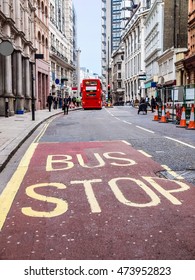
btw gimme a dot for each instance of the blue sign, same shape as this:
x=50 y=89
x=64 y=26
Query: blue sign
x=57 y=81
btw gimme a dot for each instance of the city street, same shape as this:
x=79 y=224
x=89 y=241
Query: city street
x=100 y=184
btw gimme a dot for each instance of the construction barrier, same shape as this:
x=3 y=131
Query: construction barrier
x=156 y=118
x=182 y=123
x=191 y=124
x=163 y=117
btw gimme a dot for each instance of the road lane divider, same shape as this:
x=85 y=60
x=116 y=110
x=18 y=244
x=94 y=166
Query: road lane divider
x=150 y=131
x=181 y=142
x=127 y=143
x=127 y=122
x=144 y=153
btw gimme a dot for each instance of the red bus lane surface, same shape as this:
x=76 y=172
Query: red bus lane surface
x=97 y=200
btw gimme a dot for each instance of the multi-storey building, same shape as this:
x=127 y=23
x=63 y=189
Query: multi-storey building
x=185 y=64
x=42 y=34
x=111 y=34
x=118 y=89
x=153 y=44
x=42 y=74
x=104 y=46
x=17 y=19
x=147 y=37
x=115 y=15
x=134 y=52
x=61 y=47
x=190 y=56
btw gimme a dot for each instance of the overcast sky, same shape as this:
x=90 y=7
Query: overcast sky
x=88 y=14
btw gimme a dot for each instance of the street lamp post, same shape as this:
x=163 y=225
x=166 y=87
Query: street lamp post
x=37 y=56
x=78 y=72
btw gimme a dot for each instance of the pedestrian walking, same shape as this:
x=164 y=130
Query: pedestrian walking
x=66 y=105
x=77 y=101
x=55 y=106
x=147 y=101
x=49 y=101
x=153 y=104
x=60 y=102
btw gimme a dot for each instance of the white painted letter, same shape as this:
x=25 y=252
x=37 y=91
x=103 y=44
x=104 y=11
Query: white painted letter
x=81 y=161
x=167 y=193
x=130 y=161
x=61 y=205
x=63 y=161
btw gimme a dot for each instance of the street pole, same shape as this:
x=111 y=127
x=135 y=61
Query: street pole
x=33 y=97
x=37 y=56
x=78 y=72
x=108 y=85
x=108 y=60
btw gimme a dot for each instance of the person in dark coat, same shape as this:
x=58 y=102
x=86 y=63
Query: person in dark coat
x=49 y=101
x=153 y=104
x=66 y=105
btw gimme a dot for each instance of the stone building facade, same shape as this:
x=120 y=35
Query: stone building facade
x=62 y=49
x=189 y=61
x=118 y=88
x=42 y=66
x=43 y=38
x=17 y=26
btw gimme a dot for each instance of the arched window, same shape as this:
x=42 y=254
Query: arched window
x=42 y=7
x=46 y=11
x=43 y=40
x=39 y=36
x=39 y=41
x=46 y=43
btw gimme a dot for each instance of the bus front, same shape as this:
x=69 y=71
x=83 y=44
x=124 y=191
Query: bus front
x=91 y=94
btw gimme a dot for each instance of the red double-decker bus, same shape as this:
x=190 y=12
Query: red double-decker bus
x=91 y=94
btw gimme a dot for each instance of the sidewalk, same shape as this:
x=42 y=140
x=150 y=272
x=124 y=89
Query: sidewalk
x=16 y=129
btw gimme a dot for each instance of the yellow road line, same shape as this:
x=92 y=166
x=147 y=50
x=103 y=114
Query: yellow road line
x=43 y=130
x=11 y=189
x=171 y=172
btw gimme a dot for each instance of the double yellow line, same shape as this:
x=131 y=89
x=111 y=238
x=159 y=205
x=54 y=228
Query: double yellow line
x=12 y=187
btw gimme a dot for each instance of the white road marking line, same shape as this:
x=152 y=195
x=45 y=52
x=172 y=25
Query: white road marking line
x=144 y=153
x=171 y=172
x=183 y=143
x=127 y=122
x=144 y=129
x=127 y=143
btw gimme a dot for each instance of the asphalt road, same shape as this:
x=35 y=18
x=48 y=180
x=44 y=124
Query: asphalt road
x=123 y=123
x=102 y=184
